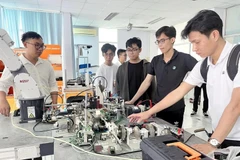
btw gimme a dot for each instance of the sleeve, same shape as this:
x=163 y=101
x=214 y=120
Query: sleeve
x=52 y=80
x=236 y=81
x=195 y=78
x=190 y=62
x=151 y=67
x=6 y=80
x=118 y=80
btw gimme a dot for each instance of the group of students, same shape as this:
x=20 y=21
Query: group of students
x=134 y=80
x=161 y=80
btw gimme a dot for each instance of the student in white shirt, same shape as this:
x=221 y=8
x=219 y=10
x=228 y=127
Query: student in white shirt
x=40 y=70
x=108 y=69
x=204 y=31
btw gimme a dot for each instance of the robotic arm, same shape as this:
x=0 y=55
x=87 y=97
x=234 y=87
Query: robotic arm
x=24 y=82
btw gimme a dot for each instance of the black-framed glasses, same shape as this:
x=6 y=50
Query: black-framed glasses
x=132 y=49
x=161 y=41
x=38 y=46
x=109 y=54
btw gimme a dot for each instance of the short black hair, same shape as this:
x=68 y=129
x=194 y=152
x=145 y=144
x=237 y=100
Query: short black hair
x=120 y=51
x=107 y=47
x=30 y=34
x=168 y=31
x=205 y=21
x=134 y=40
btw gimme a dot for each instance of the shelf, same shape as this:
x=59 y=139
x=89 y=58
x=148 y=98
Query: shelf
x=57 y=67
x=51 y=49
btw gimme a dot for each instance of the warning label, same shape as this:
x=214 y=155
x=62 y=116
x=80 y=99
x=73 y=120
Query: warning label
x=31 y=112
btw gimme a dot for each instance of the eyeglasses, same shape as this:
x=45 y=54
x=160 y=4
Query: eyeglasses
x=109 y=54
x=132 y=49
x=161 y=41
x=38 y=46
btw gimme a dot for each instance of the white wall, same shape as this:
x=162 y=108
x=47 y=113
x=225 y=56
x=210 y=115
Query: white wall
x=93 y=56
x=154 y=50
x=183 y=45
x=145 y=36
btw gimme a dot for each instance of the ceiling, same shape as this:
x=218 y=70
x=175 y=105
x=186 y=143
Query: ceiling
x=138 y=12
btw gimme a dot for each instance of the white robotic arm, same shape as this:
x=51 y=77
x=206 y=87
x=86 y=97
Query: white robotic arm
x=24 y=82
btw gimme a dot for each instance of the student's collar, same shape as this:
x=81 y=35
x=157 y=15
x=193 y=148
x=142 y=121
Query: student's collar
x=175 y=53
x=226 y=50
x=26 y=61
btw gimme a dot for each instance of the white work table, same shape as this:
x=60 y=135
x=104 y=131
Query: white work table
x=15 y=142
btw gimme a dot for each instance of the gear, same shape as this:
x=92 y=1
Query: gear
x=122 y=133
x=150 y=129
x=136 y=132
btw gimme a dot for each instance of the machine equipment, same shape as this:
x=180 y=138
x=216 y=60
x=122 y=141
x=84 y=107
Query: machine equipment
x=30 y=98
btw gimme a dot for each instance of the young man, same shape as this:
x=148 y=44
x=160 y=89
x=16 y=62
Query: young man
x=169 y=68
x=122 y=56
x=131 y=74
x=108 y=69
x=197 y=93
x=204 y=31
x=40 y=70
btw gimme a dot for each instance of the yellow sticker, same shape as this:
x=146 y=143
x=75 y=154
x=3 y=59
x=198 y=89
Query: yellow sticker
x=31 y=115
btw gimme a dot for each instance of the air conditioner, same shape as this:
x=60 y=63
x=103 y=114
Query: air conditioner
x=85 y=31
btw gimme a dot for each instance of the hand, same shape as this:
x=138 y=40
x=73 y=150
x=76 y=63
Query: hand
x=204 y=148
x=129 y=102
x=4 y=107
x=139 y=117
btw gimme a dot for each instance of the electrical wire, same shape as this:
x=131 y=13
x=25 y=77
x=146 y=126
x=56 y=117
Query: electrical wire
x=60 y=140
x=50 y=95
x=189 y=138
x=147 y=100
x=79 y=151
x=100 y=77
x=83 y=91
x=120 y=154
x=34 y=128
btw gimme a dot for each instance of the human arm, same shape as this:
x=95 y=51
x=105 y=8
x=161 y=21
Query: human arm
x=143 y=87
x=168 y=101
x=229 y=117
x=4 y=107
x=226 y=123
x=5 y=82
x=118 y=81
x=53 y=86
x=54 y=96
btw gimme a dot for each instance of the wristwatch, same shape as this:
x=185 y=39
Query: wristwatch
x=214 y=142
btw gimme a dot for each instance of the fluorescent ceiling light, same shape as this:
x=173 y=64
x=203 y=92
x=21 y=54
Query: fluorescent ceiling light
x=156 y=20
x=110 y=16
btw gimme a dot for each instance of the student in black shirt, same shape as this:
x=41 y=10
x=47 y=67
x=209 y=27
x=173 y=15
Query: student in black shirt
x=131 y=74
x=169 y=68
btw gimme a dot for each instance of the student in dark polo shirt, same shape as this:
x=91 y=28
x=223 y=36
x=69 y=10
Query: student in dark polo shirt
x=169 y=68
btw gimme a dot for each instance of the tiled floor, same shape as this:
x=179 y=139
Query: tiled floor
x=191 y=123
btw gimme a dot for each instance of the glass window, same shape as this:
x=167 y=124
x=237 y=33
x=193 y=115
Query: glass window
x=232 y=20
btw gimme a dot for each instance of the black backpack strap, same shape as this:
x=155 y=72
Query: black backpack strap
x=233 y=60
x=204 y=69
